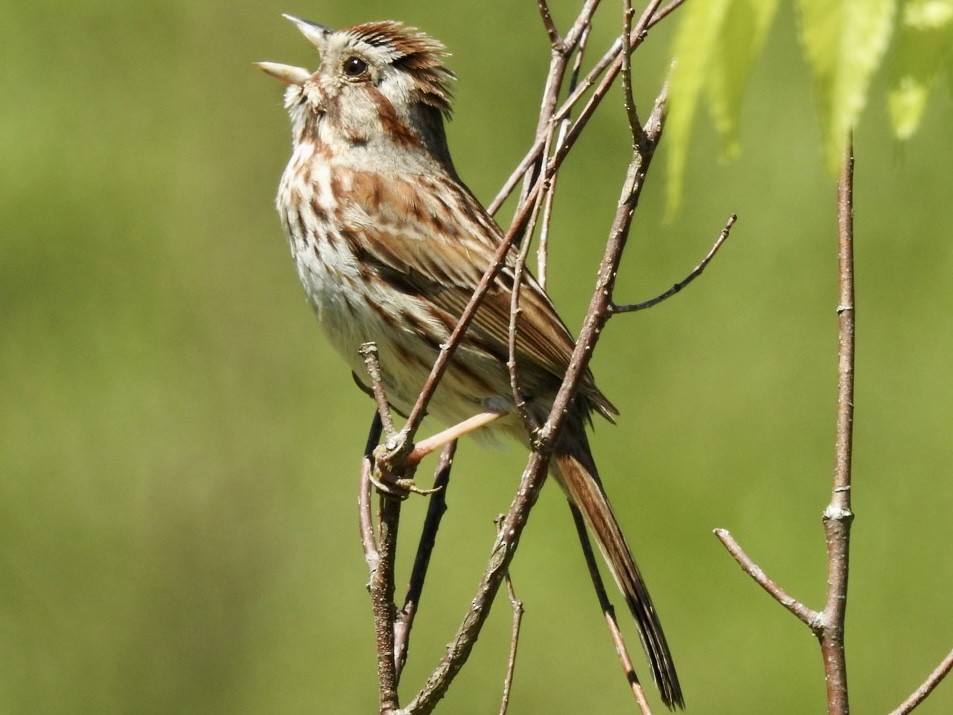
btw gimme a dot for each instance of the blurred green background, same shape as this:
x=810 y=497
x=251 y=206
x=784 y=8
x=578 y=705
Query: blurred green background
x=178 y=446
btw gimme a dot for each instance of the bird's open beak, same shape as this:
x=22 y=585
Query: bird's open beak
x=286 y=73
x=316 y=34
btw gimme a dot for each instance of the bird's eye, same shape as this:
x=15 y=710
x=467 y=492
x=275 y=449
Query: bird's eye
x=354 y=66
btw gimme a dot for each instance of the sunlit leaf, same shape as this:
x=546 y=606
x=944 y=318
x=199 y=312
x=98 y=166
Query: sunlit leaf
x=695 y=41
x=845 y=41
x=924 y=45
x=715 y=47
x=736 y=48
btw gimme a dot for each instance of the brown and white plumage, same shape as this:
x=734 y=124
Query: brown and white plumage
x=390 y=244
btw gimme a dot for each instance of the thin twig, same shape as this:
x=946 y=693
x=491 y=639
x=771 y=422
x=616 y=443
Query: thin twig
x=512 y=364
x=599 y=311
x=517 y=605
x=610 y=64
x=838 y=516
x=828 y=625
x=678 y=287
x=554 y=38
x=628 y=99
x=803 y=613
x=382 y=601
x=608 y=612
x=381 y=553
x=365 y=522
x=542 y=251
x=428 y=538
x=458 y=650
x=372 y=364
x=927 y=687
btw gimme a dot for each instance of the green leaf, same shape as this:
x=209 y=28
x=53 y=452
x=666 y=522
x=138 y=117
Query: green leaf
x=733 y=56
x=845 y=41
x=714 y=48
x=924 y=45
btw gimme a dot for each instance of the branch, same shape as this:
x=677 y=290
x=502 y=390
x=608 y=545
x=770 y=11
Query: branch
x=921 y=693
x=365 y=521
x=611 y=65
x=517 y=606
x=678 y=287
x=838 y=515
x=428 y=538
x=372 y=364
x=828 y=625
x=802 y=612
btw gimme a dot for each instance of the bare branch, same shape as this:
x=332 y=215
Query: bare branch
x=628 y=100
x=554 y=38
x=678 y=287
x=803 y=613
x=828 y=625
x=921 y=693
x=609 y=64
x=517 y=606
x=458 y=650
x=382 y=602
x=365 y=522
x=599 y=311
x=372 y=364
x=838 y=516
x=428 y=539
x=542 y=251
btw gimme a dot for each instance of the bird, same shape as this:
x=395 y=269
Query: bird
x=390 y=244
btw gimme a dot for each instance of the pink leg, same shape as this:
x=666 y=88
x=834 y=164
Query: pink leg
x=426 y=446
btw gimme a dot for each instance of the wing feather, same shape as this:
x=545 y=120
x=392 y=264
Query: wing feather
x=437 y=240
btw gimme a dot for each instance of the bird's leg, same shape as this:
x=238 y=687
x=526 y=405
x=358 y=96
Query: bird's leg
x=395 y=464
x=435 y=442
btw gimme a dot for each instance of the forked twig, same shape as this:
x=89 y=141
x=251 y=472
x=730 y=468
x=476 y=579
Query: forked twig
x=828 y=625
x=609 y=65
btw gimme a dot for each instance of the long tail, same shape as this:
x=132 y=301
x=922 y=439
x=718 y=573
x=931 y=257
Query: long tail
x=576 y=471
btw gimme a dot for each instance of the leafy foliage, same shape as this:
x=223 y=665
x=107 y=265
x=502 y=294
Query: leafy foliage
x=845 y=43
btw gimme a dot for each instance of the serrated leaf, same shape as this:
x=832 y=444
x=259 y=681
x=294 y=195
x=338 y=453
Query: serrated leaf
x=924 y=45
x=844 y=41
x=715 y=47
x=733 y=55
x=693 y=48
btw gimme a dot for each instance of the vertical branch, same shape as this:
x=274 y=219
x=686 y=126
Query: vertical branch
x=382 y=603
x=428 y=539
x=380 y=553
x=838 y=515
x=828 y=624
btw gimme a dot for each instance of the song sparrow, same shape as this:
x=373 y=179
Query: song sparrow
x=389 y=245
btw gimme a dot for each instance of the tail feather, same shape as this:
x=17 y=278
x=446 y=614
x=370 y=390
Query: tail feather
x=576 y=472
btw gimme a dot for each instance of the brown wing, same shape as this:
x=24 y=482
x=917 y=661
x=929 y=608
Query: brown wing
x=433 y=237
